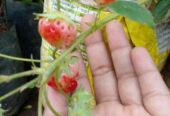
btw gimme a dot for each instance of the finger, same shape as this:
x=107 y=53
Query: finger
x=104 y=79
x=82 y=78
x=154 y=91
x=120 y=50
x=58 y=102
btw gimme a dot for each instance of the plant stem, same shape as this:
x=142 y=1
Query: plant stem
x=50 y=69
x=22 y=59
x=25 y=86
x=22 y=74
x=48 y=102
x=40 y=104
x=59 y=5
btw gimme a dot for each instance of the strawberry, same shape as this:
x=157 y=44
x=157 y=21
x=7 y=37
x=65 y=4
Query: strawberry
x=67 y=83
x=57 y=29
x=104 y=2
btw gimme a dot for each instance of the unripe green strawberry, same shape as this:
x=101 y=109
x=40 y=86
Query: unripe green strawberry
x=57 y=30
x=81 y=103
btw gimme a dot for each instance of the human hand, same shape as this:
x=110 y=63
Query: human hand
x=126 y=81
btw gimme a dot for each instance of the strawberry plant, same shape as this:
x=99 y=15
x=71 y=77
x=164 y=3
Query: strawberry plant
x=62 y=34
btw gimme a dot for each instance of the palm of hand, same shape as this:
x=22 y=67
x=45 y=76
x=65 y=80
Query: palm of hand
x=116 y=109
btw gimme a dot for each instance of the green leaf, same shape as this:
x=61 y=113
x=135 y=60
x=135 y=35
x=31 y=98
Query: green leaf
x=161 y=10
x=133 y=11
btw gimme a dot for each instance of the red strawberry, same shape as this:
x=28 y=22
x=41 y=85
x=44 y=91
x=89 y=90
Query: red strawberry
x=104 y=2
x=57 y=30
x=67 y=83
